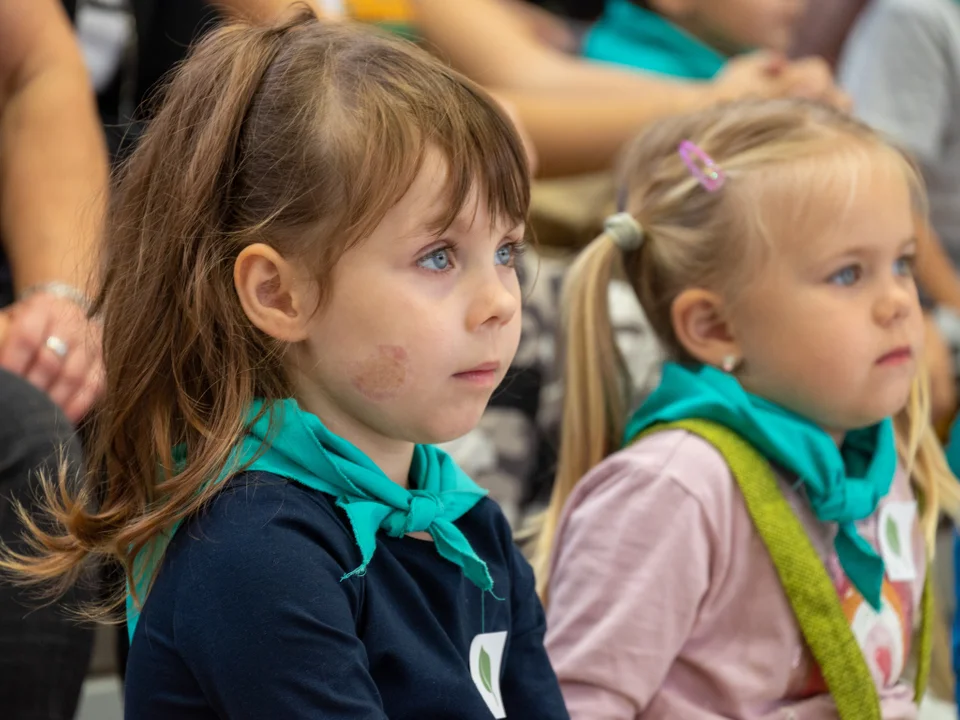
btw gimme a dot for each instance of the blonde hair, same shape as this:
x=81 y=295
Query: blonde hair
x=770 y=152
x=302 y=135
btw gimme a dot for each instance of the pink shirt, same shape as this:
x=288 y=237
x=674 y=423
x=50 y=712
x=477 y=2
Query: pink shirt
x=663 y=601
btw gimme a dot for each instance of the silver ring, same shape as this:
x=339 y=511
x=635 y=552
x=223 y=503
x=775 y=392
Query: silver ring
x=57 y=346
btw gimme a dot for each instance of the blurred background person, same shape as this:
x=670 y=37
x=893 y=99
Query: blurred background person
x=53 y=174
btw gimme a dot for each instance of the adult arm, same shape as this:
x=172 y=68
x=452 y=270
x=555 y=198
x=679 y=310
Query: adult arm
x=580 y=113
x=53 y=166
x=490 y=42
x=53 y=181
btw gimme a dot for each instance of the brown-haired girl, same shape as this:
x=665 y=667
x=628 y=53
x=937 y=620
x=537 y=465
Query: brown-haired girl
x=309 y=277
x=758 y=547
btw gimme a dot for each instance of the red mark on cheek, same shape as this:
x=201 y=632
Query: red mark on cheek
x=382 y=376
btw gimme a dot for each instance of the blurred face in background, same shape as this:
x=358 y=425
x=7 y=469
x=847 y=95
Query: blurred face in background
x=733 y=26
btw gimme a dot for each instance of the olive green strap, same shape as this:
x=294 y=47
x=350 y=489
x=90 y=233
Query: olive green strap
x=925 y=645
x=802 y=574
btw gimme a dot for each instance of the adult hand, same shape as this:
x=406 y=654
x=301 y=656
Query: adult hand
x=51 y=343
x=756 y=74
x=812 y=78
x=770 y=75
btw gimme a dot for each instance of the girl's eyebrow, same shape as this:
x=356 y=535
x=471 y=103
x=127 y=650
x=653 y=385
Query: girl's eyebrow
x=866 y=250
x=464 y=221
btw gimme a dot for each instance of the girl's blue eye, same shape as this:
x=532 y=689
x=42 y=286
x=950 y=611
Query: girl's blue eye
x=904 y=265
x=438 y=260
x=508 y=253
x=847 y=276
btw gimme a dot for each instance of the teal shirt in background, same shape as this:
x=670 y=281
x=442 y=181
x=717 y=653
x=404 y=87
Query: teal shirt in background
x=626 y=34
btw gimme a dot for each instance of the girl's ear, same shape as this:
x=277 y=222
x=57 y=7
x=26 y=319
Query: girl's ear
x=702 y=328
x=276 y=296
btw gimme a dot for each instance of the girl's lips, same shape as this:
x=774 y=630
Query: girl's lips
x=485 y=374
x=897 y=356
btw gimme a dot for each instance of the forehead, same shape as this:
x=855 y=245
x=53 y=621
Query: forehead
x=429 y=206
x=839 y=202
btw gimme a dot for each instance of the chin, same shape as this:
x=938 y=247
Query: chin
x=445 y=427
x=896 y=404
x=873 y=415
x=869 y=406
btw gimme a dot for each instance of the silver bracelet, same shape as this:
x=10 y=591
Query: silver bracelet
x=60 y=290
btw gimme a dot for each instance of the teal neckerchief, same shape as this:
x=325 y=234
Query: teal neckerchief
x=842 y=484
x=300 y=448
x=952 y=451
x=627 y=34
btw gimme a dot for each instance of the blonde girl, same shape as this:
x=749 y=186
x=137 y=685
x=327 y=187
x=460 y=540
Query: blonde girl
x=309 y=279
x=753 y=541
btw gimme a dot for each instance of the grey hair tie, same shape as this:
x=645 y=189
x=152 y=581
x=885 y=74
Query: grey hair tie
x=625 y=231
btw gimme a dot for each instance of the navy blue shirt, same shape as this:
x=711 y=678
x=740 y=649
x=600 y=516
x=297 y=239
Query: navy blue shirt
x=249 y=618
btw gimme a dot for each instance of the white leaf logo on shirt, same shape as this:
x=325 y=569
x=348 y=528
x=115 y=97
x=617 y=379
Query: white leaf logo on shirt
x=486 y=659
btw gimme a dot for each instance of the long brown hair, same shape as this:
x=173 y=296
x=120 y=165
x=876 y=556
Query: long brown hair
x=301 y=135
x=771 y=151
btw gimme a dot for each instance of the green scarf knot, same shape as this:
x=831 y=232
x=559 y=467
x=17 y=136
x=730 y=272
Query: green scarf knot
x=284 y=440
x=425 y=507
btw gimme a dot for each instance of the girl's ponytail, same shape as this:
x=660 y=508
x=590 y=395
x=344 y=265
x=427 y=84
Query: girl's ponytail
x=922 y=454
x=195 y=135
x=595 y=382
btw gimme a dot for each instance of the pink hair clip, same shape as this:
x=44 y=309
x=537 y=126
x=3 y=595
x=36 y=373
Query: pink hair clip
x=701 y=166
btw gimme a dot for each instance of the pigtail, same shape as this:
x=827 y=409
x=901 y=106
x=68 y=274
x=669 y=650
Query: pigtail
x=922 y=455
x=595 y=396
x=939 y=492
x=172 y=324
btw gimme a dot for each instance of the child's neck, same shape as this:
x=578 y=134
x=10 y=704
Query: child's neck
x=392 y=456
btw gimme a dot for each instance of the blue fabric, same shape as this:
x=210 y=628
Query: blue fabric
x=248 y=618
x=953 y=459
x=284 y=440
x=627 y=34
x=843 y=484
x=952 y=449
x=956 y=617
